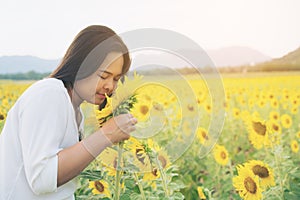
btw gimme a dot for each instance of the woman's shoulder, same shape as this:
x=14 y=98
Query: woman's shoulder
x=49 y=83
x=47 y=88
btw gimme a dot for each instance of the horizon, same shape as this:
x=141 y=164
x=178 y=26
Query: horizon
x=206 y=50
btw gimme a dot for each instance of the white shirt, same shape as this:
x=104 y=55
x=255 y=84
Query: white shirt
x=40 y=124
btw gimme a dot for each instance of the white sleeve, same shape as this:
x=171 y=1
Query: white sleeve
x=43 y=123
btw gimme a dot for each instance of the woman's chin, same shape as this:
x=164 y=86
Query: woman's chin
x=98 y=102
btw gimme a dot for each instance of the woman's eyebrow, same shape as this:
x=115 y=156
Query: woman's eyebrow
x=104 y=71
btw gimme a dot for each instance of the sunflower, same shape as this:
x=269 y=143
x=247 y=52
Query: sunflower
x=270 y=95
x=226 y=105
x=274 y=127
x=258 y=132
x=107 y=110
x=151 y=146
x=208 y=107
x=109 y=158
x=247 y=184
x=236 y=112
x=294 y=146
x=295 y=102
x=261 y=103
x=274 y=103
x=201 y=193
x=141 y=110
x=275 y=132
x=294 y=110
x=164 y=159
x=153 y=175
x=100 y=187
x=126 y=89
x=262 y=170
x=202 y=135
x=298 y=134
x=250 y=103
x=221 y=154
x=274 y=115
x=2 y=116
x=139 y=153
x=286 y=121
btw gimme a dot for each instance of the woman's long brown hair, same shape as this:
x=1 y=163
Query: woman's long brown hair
x=86 y=53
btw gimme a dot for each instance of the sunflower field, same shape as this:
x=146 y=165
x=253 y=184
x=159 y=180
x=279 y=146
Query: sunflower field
x=176 y=154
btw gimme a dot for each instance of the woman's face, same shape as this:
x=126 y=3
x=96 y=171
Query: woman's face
x=104 y=80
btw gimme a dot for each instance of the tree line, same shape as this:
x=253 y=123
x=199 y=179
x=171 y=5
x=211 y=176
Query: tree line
x=31 y=75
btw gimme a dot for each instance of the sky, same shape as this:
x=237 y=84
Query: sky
x=46 y=28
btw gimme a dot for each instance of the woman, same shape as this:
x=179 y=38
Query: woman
x=40 y=146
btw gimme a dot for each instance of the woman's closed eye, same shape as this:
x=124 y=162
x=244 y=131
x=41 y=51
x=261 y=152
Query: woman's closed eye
x=117 y=79
x=102 y=76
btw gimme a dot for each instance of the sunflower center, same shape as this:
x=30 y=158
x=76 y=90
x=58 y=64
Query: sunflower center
x=259 y=128
x=204 y=135
x=154 y=172
x=162 y=160
x=158 y=107
x=287 y=121
x=99 y=186
x=261 y=171
x=191 y=108
x=250 y=185
x=275 y=127
x=144 y=109
x=223 y=155
x=140 y=156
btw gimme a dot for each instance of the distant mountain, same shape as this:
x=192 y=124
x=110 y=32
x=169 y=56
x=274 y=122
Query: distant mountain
x=292 y=58
x=291 y=61
x=23 y=64
x=236 y=56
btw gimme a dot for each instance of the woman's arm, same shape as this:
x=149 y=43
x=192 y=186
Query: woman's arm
x=72 y=160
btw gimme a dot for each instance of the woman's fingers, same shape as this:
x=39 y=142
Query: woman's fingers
x=120 y=127
x=134 y=121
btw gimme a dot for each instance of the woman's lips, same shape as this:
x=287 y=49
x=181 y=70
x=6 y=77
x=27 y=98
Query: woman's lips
x=101 y=96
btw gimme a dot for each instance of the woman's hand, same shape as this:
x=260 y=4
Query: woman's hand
x=118 y=128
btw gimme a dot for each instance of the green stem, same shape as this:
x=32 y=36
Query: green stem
x=139 y=185
x=277 y=162
x=119 y=171
x=163 y=176
x=217 y=176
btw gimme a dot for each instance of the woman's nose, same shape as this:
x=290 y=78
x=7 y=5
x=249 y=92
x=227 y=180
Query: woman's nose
x=109 y=86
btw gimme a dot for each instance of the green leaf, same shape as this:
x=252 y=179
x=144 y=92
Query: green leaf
x=129 y=183
x=290 y=196
x=178 y=195
x=92 y=175
x=125 y=196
